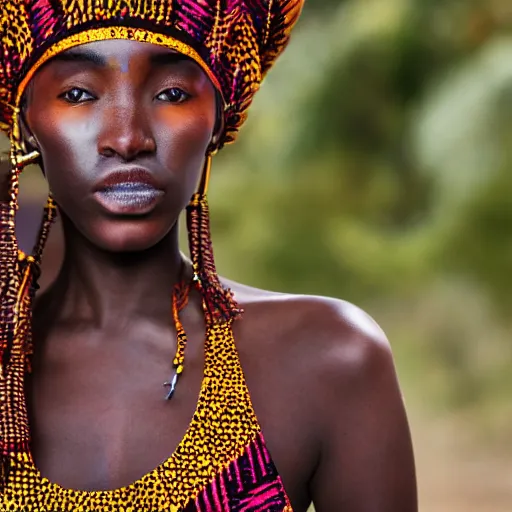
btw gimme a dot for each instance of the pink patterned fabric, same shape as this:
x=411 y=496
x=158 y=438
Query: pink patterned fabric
x=250 y=483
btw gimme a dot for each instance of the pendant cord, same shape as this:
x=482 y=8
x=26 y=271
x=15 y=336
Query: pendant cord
x=180 y=297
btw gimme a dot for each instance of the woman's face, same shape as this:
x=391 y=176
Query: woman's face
x=123 y=128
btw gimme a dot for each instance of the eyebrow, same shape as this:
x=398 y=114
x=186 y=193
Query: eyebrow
x=83 y=56
x=87 y=56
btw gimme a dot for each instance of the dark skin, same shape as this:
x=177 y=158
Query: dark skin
x=319 y=370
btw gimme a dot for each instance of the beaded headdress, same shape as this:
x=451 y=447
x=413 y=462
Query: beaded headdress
x=234 y=41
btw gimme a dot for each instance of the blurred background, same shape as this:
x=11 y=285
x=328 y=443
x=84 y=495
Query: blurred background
x=376 y=166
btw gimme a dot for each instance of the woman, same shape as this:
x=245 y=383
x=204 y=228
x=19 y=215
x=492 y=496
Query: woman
x=123 y=105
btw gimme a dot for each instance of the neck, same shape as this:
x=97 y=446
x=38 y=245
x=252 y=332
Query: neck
x=105 y=288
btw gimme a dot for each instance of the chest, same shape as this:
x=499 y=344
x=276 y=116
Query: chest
x=99 y=419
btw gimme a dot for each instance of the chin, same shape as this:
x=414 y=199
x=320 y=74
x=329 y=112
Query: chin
x=128 y=236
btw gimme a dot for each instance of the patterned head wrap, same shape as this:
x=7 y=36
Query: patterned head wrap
x=234 y=41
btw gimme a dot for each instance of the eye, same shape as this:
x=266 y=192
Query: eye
x=77 y=95
x=173 y=95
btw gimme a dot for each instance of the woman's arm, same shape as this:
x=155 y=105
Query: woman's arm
x=367 y=462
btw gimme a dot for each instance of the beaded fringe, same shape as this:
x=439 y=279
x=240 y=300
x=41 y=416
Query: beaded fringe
x=218 y=302
x=18 y=284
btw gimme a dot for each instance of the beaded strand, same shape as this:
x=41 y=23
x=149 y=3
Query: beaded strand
x=179 y=301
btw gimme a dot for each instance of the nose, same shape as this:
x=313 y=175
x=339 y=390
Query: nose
x=126 y=133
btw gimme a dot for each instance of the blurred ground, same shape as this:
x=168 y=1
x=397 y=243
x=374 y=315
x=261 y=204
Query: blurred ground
x=457 y=474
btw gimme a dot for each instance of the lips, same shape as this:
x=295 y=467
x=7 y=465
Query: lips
x=129 y=192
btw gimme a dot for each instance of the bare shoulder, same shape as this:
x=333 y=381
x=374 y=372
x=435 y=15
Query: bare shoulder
x=339 y=339
x=321 y=358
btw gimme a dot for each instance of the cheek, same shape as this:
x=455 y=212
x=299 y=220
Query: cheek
x=59 y=130
x=182 y=144
x=67 y=141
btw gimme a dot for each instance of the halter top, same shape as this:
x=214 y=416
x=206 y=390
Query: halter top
x=220 y=465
